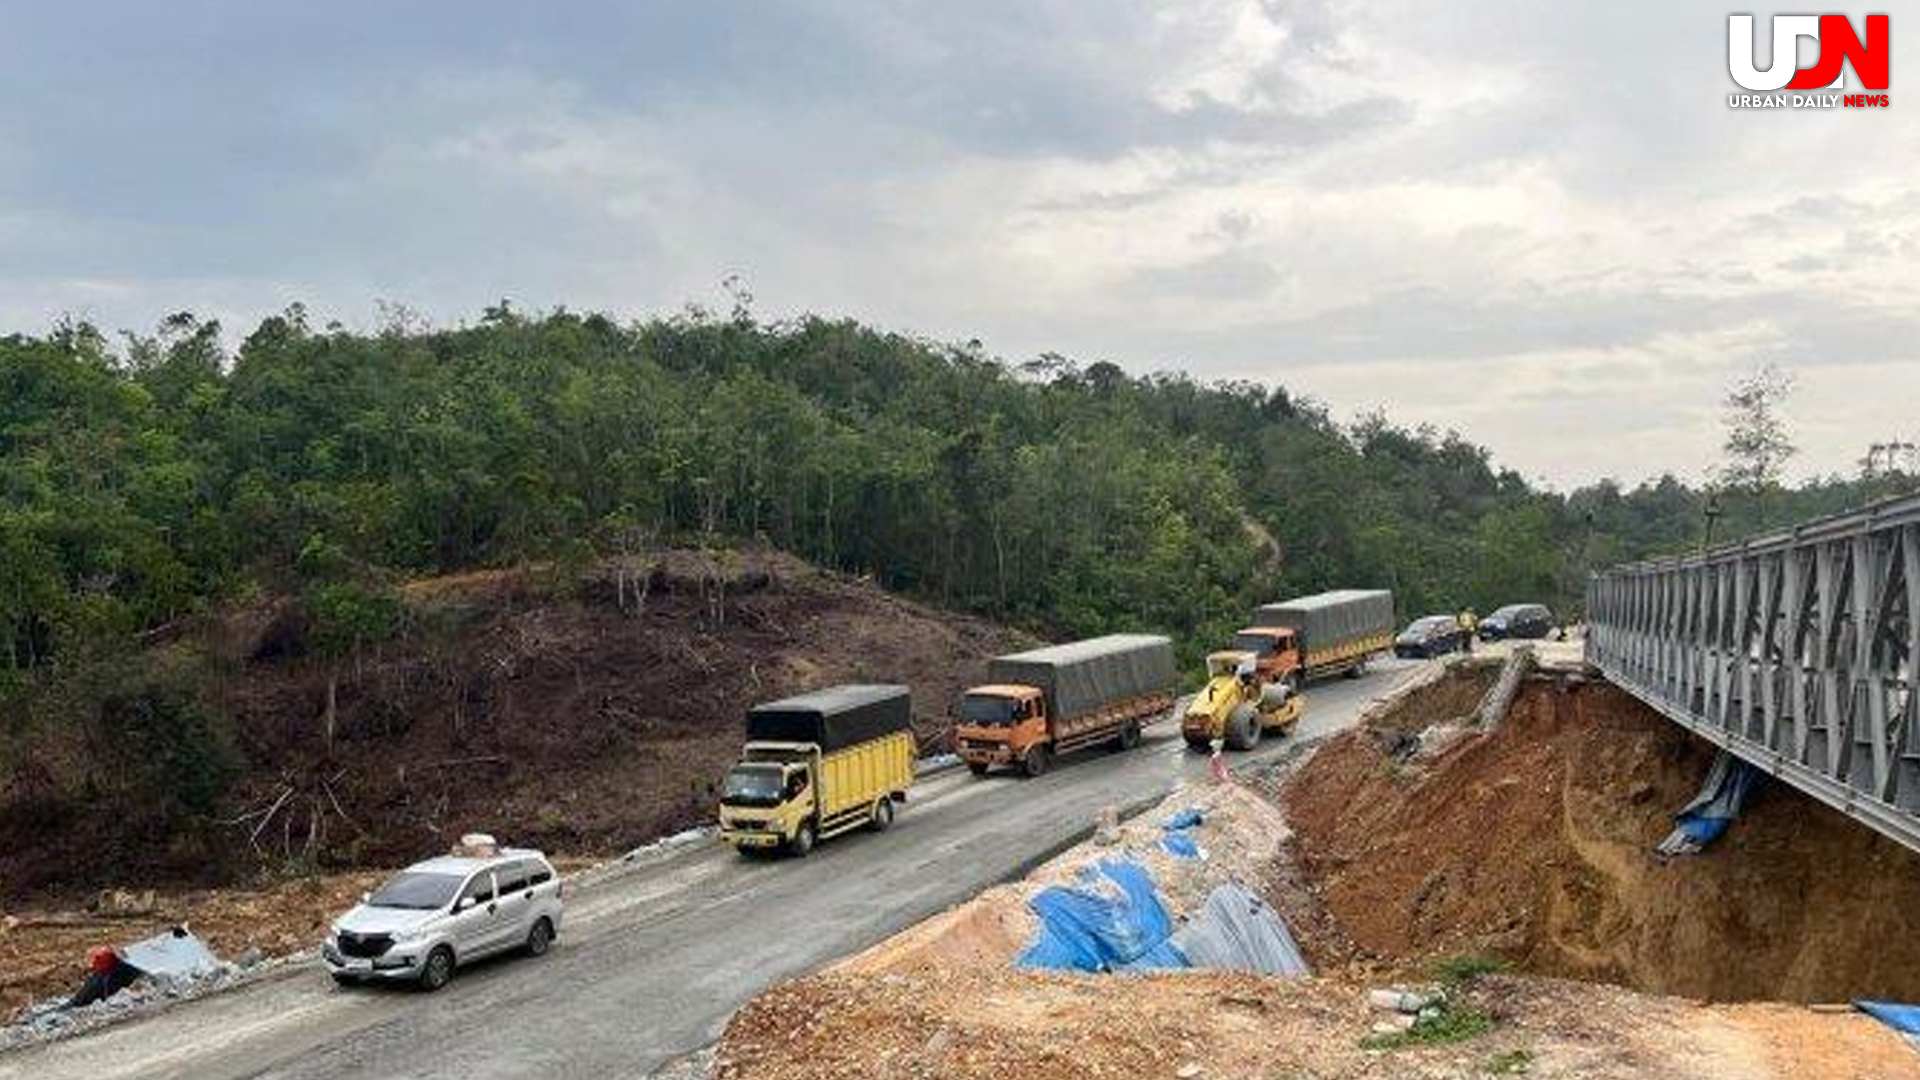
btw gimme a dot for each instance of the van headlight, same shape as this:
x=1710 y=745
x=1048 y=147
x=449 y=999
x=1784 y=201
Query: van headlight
x=414 y=933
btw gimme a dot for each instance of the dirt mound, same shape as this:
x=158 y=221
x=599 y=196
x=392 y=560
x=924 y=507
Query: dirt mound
x=982 y=1025
x=1535 y=841
x=585 y=713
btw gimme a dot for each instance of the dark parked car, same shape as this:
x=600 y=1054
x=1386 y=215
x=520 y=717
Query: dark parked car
x=1517 y=621
x=1429 y=636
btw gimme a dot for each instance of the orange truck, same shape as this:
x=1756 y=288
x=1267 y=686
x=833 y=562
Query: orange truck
x=1040 y=704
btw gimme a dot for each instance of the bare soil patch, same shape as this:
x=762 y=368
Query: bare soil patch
x=1535 y=841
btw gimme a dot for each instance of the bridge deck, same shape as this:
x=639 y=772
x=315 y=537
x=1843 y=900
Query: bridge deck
x=1797 y=652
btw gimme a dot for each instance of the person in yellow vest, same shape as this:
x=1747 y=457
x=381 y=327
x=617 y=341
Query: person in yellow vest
x=1469 y=626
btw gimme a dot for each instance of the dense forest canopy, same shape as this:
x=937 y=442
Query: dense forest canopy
x=149 y=482
x=155 y=480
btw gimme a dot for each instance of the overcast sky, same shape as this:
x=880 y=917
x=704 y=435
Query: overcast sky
x=1538 y=223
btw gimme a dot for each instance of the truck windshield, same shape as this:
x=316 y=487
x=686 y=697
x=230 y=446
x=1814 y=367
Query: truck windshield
x=1257 y=644
x=752 y=785
x=987 y=709
x=416 y=891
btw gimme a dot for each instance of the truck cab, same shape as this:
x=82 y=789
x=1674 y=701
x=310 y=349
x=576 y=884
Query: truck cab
x=1001 y=724
x=768 y=798
x=1275 y=651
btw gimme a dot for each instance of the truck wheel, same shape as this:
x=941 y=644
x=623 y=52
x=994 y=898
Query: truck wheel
x=1128 y=738
x=977 y=768
x=883 y=813
x=1035 y=762
x=1199 y=746
x=1357 y=670
x=802 y=841
x=1293 y=683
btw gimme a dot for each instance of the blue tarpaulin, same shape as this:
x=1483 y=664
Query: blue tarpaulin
x=1179 y=841
x=1904 y=1019
x=1112 y=918
x=1185 y=819
x=1722 y=794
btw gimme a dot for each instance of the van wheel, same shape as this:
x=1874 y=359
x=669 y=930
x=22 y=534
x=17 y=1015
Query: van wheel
x=344 y=979
x=977 y=768
x=1128 y=738
x=883 y=813
x=540 y=938
x=802 y=841
x=1035 y=762
x=438 y=970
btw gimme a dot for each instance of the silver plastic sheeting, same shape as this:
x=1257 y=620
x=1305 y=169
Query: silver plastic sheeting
x=1087 y=675
x=1329 y=619
x=1238 y=931
x=173 y=954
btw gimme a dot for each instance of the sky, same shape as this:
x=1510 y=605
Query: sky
x=1539 y=224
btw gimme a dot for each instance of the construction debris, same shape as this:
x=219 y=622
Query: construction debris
x=1722 y=795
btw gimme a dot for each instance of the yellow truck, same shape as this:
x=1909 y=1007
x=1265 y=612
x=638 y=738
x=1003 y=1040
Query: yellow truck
x=819 y=765
x=1240 y=704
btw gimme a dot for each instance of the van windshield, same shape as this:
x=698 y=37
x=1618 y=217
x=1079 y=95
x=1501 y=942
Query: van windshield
x=752 y=785
x=987 y=709
x=416 y=891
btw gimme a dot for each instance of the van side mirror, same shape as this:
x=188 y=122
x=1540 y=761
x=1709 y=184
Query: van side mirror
x=463 y=903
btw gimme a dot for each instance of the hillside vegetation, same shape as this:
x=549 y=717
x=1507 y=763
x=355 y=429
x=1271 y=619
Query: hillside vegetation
x=150 y=487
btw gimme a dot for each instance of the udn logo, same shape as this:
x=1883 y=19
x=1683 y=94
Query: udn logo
x=1839 y=48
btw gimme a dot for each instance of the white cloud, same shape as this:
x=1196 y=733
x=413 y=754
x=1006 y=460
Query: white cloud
x=1538 y=224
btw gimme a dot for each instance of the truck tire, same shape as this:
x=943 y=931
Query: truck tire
x=882 y=814
x=1128 y=738
x=1294 y=682
x=1035 y=762
x=802 y=841
x=1199 y=746
x=977 y=768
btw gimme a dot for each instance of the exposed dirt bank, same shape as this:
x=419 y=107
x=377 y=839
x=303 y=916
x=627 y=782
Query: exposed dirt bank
x=1535 y=841
x=585 y=715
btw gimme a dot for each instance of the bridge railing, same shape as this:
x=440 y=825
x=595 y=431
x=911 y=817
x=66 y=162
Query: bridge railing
x=1797 y=651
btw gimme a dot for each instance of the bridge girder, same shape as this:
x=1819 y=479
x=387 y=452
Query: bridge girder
x=1797 y=652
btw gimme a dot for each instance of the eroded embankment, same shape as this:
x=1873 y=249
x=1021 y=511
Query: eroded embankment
x=1535 y=841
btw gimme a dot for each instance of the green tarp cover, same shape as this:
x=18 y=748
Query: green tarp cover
x=1330 y=619
x=836 y=717
x=1087 y=675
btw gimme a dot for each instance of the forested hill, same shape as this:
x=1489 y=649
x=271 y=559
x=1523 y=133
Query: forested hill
x=211 y=563
x=152 y=480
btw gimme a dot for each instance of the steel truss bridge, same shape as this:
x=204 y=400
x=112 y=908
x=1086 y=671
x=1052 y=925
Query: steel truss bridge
x=1797 y=652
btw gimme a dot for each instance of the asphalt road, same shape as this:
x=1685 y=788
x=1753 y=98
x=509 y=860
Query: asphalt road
x=656 y=957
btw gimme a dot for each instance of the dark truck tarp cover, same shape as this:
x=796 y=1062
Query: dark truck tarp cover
x=836 y=718
x=1087 y=675
x=1329 y=619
